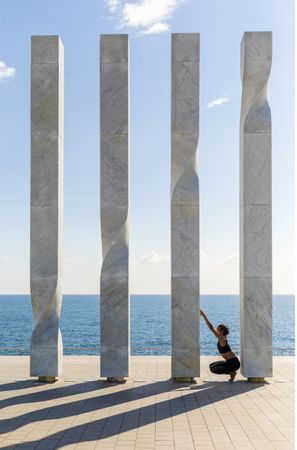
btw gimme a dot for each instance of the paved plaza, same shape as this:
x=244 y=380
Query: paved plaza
x=149 y=411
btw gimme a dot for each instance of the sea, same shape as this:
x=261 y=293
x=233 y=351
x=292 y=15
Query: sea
x=150 y=324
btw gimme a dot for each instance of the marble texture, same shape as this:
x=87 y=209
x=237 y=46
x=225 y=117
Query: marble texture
x=256 y=250
x=46 y=231
x=255 y=185
x=114 y=326
x=185 y=205
x=114 y=205
x=184 y=235
x=184 y=112
x=255 y=207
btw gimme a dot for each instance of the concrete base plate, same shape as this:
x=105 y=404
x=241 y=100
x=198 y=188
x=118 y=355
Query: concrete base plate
x=47 y=379
x=184 y=379
x=116 y=379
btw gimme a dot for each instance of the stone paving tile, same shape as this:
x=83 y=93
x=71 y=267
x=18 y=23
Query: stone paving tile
x=47 y=444
x=149 y=411
x=282 y=446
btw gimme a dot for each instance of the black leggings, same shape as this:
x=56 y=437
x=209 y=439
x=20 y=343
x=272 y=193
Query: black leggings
x=225 y=367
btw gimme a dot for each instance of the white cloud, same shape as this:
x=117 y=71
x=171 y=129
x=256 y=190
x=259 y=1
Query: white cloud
x=6 y=72
x=279 y=261
x=145 y=13
x=232 y=259
x=154 y=258
x=218 y=102
x=113 y=5
x=160 y=27
x=144 y=16
x=204 y=258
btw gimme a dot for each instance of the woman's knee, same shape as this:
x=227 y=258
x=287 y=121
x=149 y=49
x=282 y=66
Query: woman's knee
x=219 y=368
x=211 y=367
x=215 y=368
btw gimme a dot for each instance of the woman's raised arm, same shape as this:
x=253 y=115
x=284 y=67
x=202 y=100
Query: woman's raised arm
x=209 y=324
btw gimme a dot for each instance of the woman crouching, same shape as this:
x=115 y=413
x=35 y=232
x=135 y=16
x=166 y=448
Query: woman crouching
x=231 y=363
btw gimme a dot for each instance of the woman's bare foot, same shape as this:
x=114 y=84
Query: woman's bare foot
x=232 y=376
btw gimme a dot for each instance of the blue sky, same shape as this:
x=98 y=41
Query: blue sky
x=149 y=23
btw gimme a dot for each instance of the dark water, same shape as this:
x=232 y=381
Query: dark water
x=150 y=324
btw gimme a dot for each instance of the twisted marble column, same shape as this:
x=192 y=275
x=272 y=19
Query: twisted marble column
x=185 y=206
x=47 y=145
x=255 y=208
x=114 y=194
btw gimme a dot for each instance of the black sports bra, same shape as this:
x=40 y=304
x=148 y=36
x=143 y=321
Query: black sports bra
x=224 y=349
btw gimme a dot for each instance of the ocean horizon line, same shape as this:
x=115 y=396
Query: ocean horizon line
x=143 y=295
x=150 y=323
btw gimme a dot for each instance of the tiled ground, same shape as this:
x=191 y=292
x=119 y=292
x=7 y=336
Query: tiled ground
x=148 y=412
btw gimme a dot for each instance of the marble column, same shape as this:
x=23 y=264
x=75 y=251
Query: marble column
x=255 y=208
x=47 y=146
x=114 y=206
x=185 y=206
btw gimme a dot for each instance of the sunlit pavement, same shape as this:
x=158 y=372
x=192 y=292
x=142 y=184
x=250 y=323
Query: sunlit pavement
x=149 y=411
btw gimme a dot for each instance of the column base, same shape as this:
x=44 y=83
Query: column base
x=116 y=380
x=256 y=379
x=47 y=379
x=184 y=379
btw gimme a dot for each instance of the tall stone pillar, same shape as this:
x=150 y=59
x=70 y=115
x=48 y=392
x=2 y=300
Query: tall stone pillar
x=185 y=206
x=47 y=146
x=255 y=208
x=114 y=198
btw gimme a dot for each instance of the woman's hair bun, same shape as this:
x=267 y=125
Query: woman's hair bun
x=224 y=328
